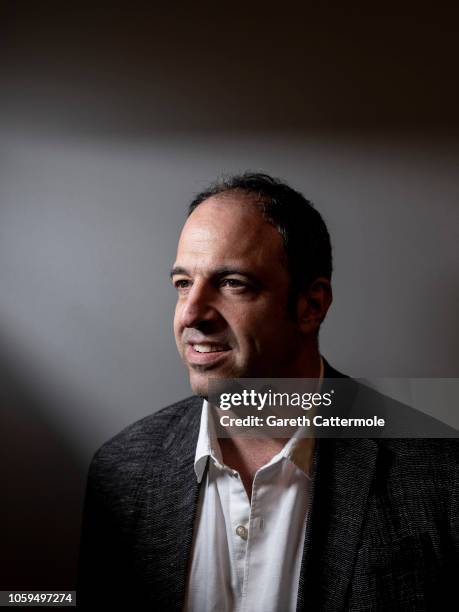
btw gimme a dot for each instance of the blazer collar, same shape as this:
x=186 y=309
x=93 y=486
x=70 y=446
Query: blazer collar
x=168 y=507
x=343 y=472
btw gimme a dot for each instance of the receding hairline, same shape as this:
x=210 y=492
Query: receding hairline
x=249 y=200
x=242 y=193
x=239 y=195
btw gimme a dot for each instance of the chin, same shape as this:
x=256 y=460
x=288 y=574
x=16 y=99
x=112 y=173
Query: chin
x=199 y=382
x=199 y=385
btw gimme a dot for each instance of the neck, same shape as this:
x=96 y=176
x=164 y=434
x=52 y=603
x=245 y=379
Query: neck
x=247 y=455
x=308 y=365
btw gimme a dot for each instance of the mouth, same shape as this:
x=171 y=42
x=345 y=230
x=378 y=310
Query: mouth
x=206 y=353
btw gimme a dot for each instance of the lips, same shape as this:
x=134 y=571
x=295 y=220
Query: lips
x=206 y=353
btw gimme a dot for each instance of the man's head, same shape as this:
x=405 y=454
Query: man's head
x=252 y=273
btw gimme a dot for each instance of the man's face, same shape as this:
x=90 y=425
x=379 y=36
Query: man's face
x=231 y=318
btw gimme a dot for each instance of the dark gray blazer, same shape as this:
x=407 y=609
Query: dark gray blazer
x=382 y=532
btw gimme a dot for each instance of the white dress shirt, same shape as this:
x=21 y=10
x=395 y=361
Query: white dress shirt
x=246 y=555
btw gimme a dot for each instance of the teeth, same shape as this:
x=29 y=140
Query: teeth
x=206 y=348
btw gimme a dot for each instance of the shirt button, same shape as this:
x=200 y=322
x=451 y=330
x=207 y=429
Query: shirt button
x=241 y=532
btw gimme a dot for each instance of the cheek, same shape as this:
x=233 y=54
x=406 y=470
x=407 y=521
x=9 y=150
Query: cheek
x=271 y=333
x=262 y=317
x=252 y=331
x=176 y=323
x=240 y=321
x=177 y=313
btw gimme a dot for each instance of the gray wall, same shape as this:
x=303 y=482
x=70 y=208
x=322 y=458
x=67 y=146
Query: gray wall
x=110 y=121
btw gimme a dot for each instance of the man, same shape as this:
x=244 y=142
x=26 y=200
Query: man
x=177 y=519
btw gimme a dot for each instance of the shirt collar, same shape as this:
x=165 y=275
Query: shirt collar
x=298 y=449
x=207 y=445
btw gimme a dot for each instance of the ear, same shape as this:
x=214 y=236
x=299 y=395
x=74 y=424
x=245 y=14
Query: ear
x=313 y=305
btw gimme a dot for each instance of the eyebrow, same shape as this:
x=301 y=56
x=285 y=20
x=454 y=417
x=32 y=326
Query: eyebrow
x=178 y=270
x=218 y=273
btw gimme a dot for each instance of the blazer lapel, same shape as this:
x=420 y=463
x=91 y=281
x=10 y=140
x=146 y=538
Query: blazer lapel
x=168 y=509
x=343 y=472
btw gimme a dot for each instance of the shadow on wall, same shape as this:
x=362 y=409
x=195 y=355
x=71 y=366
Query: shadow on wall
x=42 y=484
x=114 y=68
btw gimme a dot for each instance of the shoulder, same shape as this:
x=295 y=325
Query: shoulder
x=412 y=465
x=437 y=450
x=149 y=433
x=125 y=456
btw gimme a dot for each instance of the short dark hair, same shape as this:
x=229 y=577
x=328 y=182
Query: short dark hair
x=303 y=231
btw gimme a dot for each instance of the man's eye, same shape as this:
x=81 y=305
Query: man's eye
x=182 y=284
x=233 y=282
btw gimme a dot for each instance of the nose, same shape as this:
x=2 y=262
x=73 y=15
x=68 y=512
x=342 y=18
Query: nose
x=198 y=307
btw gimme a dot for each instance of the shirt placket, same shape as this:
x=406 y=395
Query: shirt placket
x=239 y=519
x=255 y=541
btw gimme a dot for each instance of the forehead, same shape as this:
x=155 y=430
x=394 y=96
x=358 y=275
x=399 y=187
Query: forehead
x=229 y=230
